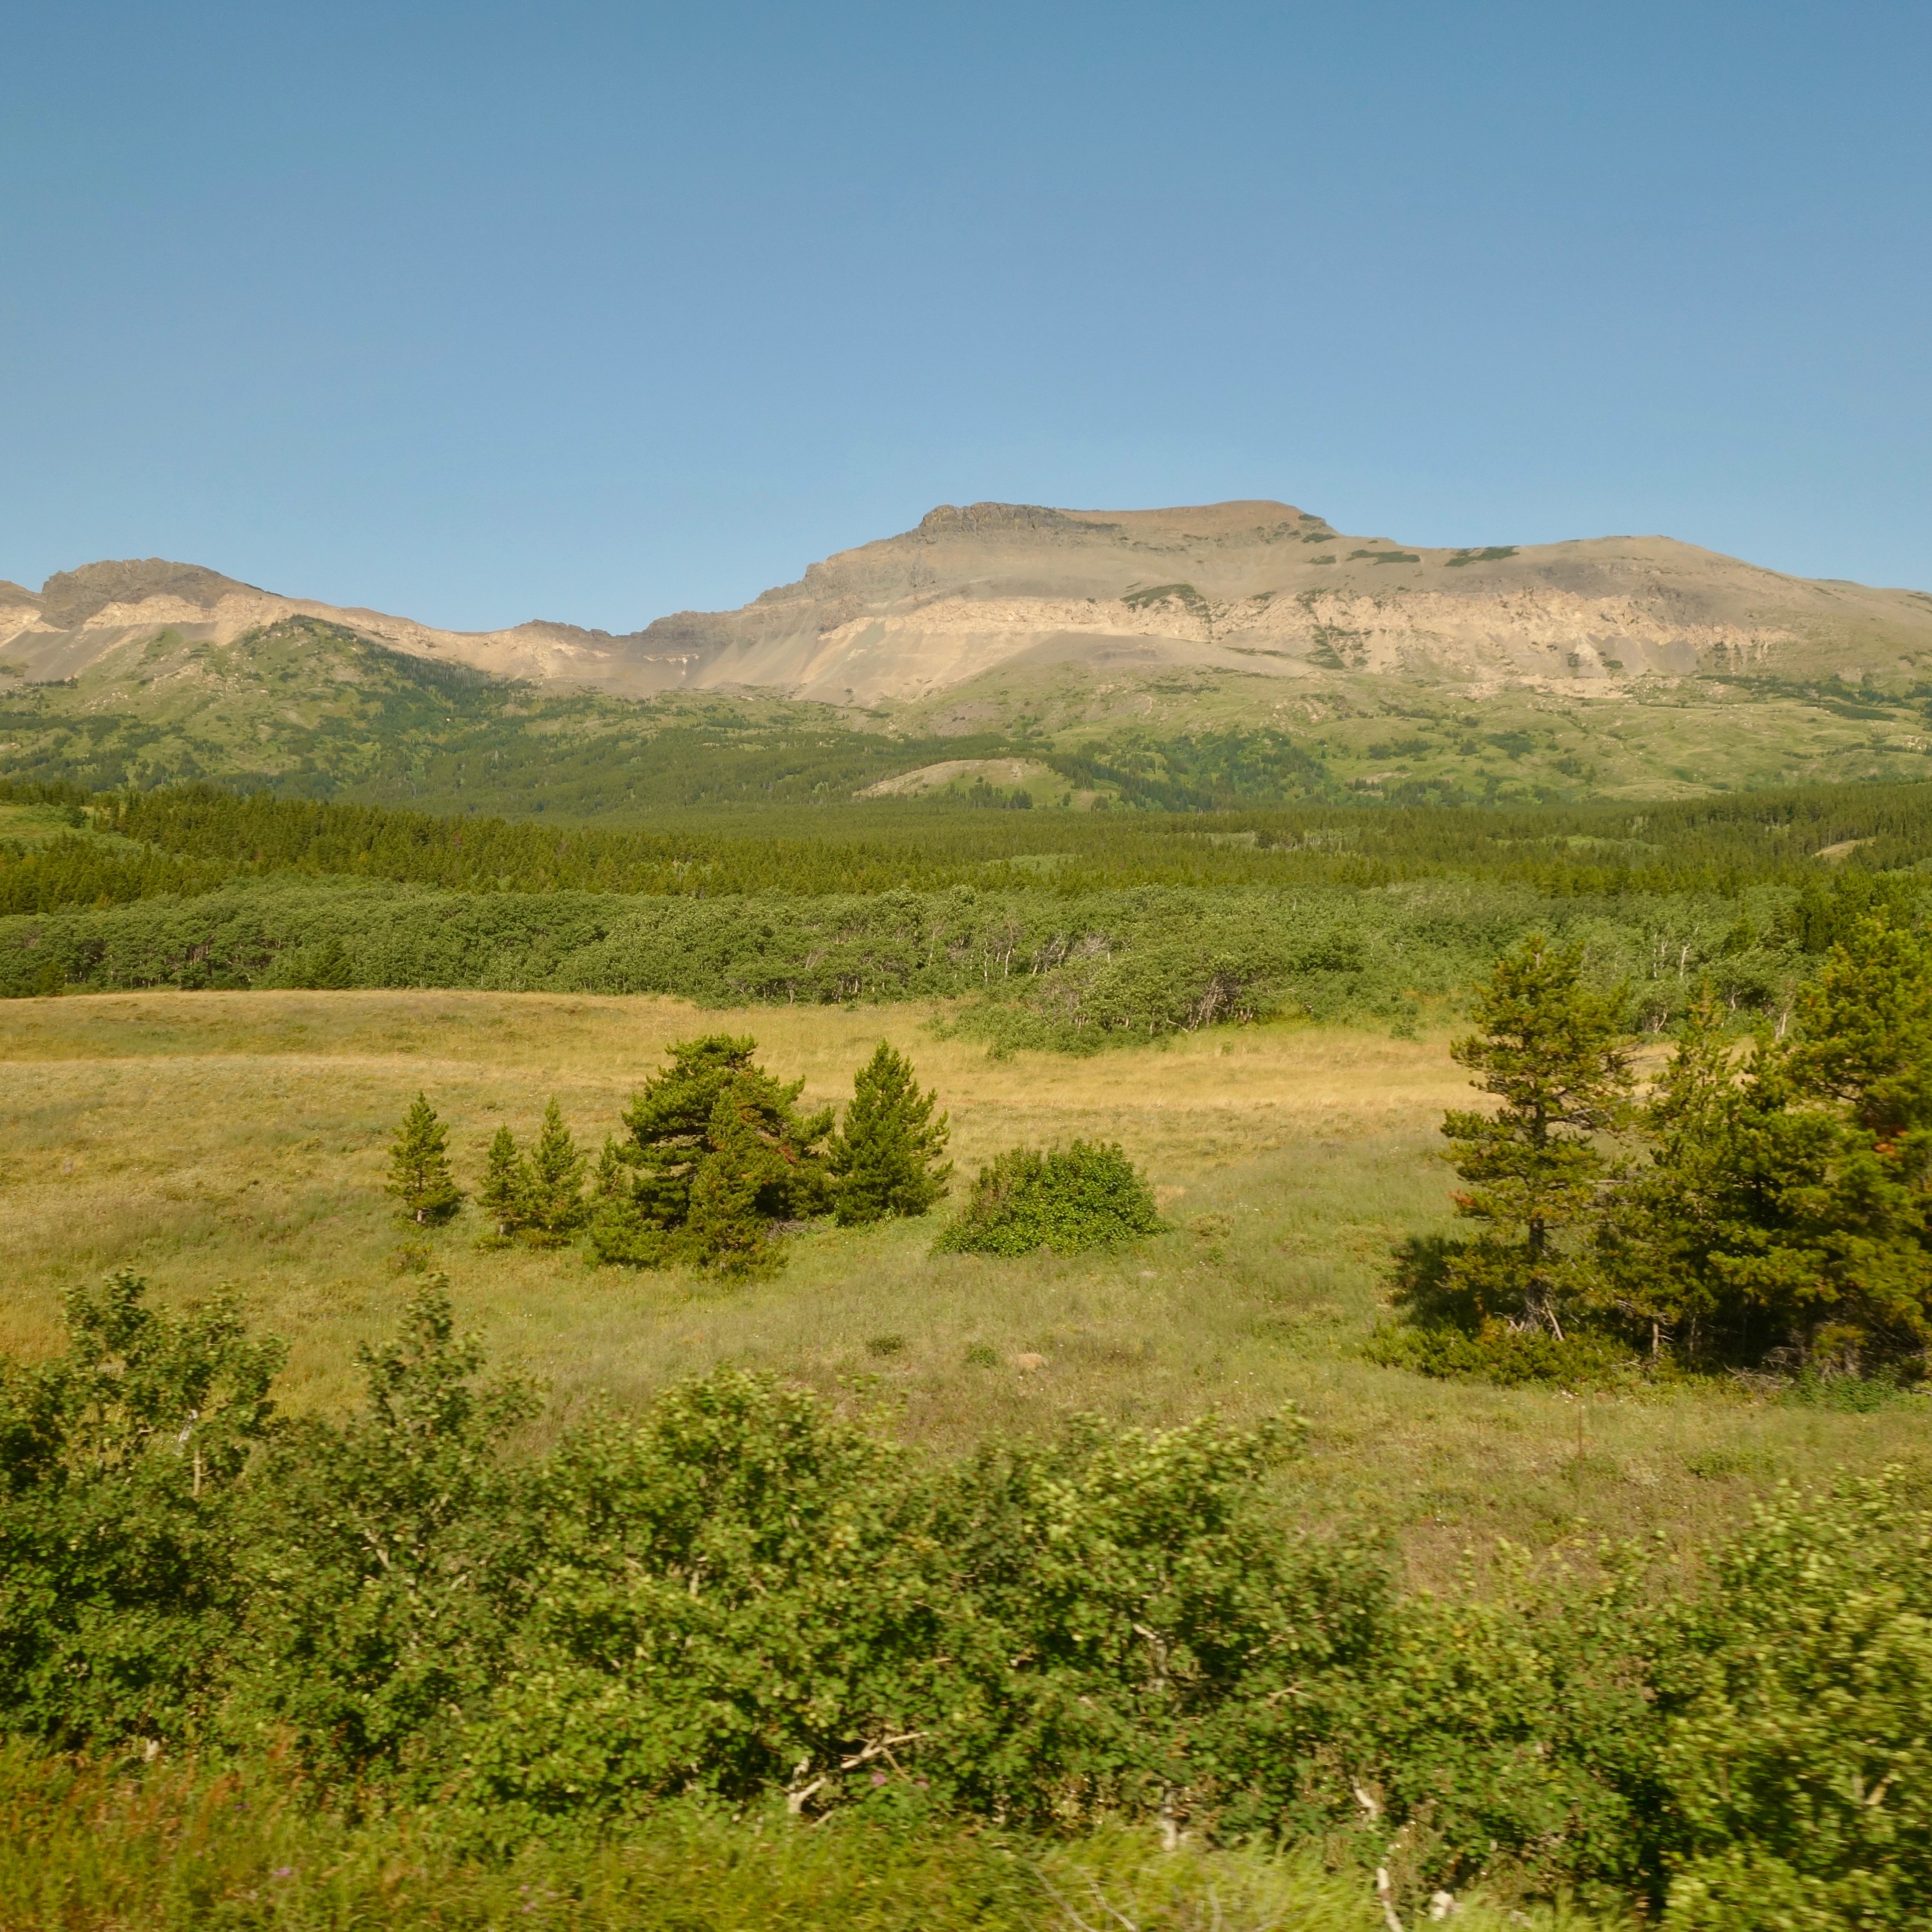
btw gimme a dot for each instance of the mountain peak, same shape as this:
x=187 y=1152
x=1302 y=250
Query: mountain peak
x=71 y=597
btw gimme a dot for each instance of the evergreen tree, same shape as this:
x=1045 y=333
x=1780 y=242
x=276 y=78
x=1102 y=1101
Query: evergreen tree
x=1552 y=1051
x=675 y=1123
x=725 y=1229
x=1702 y=1214
x=505 y=1195
x=613 y=1176
x=419 y=1175
x=886 y=1159
x=1787 y=1202
x=555 y=1196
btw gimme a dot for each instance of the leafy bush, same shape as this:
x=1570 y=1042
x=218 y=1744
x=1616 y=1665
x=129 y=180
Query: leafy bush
x=1088 y=1195
x=121 y=1542
x=1793 y=1695
x=743 y=1594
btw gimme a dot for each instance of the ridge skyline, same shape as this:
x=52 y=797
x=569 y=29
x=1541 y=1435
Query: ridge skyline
x=1248 y=585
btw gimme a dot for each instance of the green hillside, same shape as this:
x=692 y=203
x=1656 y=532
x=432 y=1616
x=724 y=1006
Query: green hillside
x=308 y=708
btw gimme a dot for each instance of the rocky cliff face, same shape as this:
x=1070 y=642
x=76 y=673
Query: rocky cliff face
x=1258 y=588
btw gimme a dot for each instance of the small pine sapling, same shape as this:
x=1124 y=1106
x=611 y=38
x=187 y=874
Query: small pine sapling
x=611 y=1178
x=505 y=1195
x=555 y=1197
x=886 y=1159
x=419 y=1175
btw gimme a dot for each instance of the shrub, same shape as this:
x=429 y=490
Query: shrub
x=742 y=1594
x=1088 y=1195
x=1510 y=1358
x=1793 y=1692
x=120 y=1544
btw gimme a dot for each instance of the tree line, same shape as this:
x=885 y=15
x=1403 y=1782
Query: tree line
x=1721 y=845
x=1059 y=971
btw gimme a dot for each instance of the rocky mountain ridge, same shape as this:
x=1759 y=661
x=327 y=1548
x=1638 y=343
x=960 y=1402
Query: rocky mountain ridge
x=1237 y=589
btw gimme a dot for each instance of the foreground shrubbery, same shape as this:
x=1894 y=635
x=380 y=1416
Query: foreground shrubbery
x=744 y=1596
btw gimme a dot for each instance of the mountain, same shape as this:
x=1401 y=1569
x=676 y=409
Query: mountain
x=1264 y=588
x=82 y=619
x=1131 y=640
x=1255 y=589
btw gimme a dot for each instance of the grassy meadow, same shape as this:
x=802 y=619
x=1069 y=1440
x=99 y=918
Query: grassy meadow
x=203 y=1137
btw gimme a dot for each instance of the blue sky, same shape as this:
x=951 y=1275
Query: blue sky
x=486 y=312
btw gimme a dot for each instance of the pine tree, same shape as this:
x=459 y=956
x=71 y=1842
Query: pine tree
x=505 y=1195
x=1786 y=1202
x=671 y=1124
x=1702 y=1200
x=419 y=1175
x=1552 y=1051
x=613 y=1177
x=885 y=1160
x=725 y=1230
x=556 y=1182
x=677 y=1204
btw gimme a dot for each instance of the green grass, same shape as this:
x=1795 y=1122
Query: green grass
x=181 y=1849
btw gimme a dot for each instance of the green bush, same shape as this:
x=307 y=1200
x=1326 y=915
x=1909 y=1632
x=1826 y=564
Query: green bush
x=1510 y=1358
x=1792 y=1694
x=743 y=1597
x=1088 y=1195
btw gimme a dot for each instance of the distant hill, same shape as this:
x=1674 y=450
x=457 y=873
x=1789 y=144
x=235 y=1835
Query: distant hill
x=1636 y=665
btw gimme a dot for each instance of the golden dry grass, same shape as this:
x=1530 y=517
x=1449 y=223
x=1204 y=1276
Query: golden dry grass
x=206 y=1137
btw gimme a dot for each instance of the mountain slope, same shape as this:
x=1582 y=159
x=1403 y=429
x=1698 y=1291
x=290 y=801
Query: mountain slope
x=105 y=612
x=1237 y=650
x=1260 y=589
x=1263 y=589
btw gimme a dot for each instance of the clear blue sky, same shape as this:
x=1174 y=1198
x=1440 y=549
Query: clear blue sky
x=483 y=312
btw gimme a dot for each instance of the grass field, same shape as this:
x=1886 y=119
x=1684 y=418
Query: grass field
x=205 y=1138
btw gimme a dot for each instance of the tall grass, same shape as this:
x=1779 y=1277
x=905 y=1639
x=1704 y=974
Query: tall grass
x=86 y=1846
